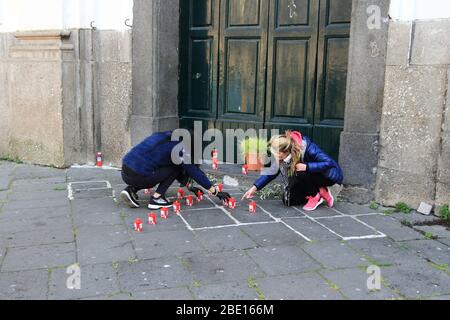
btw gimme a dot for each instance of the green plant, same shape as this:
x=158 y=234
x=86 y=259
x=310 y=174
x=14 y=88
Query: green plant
x=374 y=205
x=253 y=145
x=402 y=207
x=271 y=192
x=9 y=158
x=444 y=212
x=389 y=212
x=430 y=236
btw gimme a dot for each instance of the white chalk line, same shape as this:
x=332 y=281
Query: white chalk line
x=314 y=220
x=236 y=225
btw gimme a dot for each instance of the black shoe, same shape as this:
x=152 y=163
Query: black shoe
x=130 y=197
x=159 y=203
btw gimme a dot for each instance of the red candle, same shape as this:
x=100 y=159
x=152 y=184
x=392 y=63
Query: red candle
x=152 y=218
x=147 y=191
x=189 y=201
x=164 y=213
x=99 y=157
x=138 y=225
x=177 y=207
x=200 y=196
x=245 y=169
x=252 y=207
x=232 y=203
x=180 y=193
x=220 y=187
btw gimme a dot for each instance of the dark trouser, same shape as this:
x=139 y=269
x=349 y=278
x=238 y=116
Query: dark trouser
x=163 y=176
x=303 y=185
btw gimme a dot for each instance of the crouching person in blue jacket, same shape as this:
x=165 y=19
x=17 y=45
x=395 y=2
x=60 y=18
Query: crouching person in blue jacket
x=150 y=163
x=307 y=172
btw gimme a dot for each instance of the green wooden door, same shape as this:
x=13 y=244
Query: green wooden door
x=276 y=64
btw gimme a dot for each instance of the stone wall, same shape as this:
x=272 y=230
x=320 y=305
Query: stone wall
x=414 y=164
x=65 y=95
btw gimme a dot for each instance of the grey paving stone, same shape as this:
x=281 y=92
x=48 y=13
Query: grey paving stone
x=353 y=285
x=39 y=257
x=333 y=254
x=414 y=217
x=353 y=209
x=309 y=286
x=278 y=210
x=311 y=229
x=113 y=297
x=95 y=280
x=35 y=213
x=42 y=236
x=444 y=297
x=165 y=244
x=432 y=250
x=177 y=294
x=207 y=218
x=93 y=194
x=37 y=203
x=445 y=241
x=391 y=227
x=24 y=285
x=154 y=274
x=321 y=212
x=242 y=214
x=222 y=267
x=37 y=195
x=39 y=185
x=225 y=291
x=103 y=244
x=32 y=222
x=3 y=196
x=272 y=234
x=417 y=280
x=226 y=239
x=86 y=174
x=86 y=186
x=88 y=206
x=97 y=219
x=347 y=227
x=383 y=251
x=438 y=231
x=35 y=172
x=283 y=260
x=5 y=181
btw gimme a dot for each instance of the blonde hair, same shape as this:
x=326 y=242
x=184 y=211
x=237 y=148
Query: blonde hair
x=285 y=143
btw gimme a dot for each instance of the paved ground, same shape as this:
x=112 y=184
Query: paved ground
x=51 y=219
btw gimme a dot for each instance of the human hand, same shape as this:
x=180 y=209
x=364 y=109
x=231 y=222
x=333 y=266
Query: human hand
x=300 y=167
x=249 y=194
x=223 y=196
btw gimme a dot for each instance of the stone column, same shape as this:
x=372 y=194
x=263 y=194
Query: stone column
x=155 y=67
x=365 y=87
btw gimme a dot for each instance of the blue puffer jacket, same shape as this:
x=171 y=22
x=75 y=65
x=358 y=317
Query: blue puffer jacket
x=316 y=160
x=156 y=152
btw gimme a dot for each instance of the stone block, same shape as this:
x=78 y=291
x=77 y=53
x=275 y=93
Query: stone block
x=400 y=34
x=24 y=285
x=430 y=45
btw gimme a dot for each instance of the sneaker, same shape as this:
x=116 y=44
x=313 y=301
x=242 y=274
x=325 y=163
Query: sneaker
x=130 y=197
x=159 y=203
x=313 y=203
x=327 y=196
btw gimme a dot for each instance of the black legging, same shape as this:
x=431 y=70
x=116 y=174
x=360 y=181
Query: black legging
x=163 y=176
x=303 y=185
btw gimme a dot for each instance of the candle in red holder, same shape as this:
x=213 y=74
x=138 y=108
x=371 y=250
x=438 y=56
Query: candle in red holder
x=180 y=193
x=164 y=213
x=189 y=201
x=215 y=154
x=252 y=207
x=215 y=164
x=232 y=203
x=200 y=196
x=138 y=225
x=99 y=157
x=245 y=169
x=177 y=207
x=152 y=218
x=220 y=187
x=147 y=191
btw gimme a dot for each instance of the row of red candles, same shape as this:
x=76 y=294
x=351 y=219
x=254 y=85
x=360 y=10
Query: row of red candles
x=152 y=217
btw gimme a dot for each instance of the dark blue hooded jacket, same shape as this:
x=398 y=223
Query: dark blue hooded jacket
x=156 y=152
x=316 y=160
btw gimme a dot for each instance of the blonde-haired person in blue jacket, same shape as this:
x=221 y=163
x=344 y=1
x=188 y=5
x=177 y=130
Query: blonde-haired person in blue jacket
x=307 y=172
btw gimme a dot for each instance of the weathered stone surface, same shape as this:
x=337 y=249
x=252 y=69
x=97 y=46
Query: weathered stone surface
x=391 y=227
x=431 y=39
x=431 y=250
x=308 y=286
x=272 y=234
x=26 y=285
x=39 y=257
x=225 y=267
x=410 y=134
x=399 y=42
x=226 y=239
x=177 y=294
x=311 y=229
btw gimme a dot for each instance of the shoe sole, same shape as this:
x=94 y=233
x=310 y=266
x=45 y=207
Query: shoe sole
x=318 y=204
x=332 y=199
x=127 y=199
x=156 y=207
